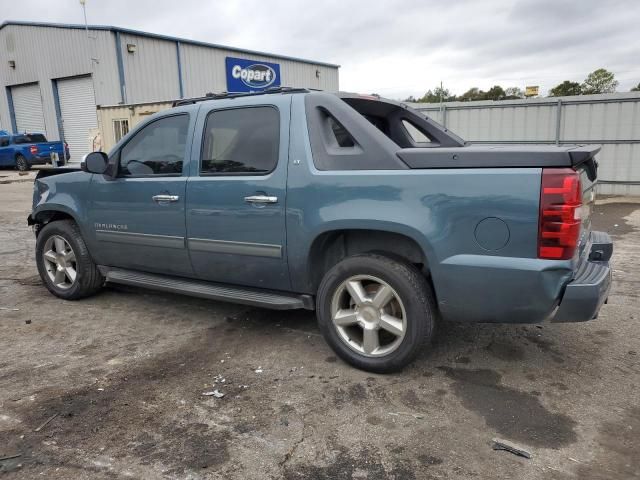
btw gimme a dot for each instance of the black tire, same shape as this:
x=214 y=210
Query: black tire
x=414 y=292
x=88 y=278
x=22 y=164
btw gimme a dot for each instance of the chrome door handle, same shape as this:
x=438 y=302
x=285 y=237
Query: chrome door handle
x=165 y=198
x=261 y=199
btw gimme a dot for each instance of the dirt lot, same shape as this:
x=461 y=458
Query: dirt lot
x=120 y=376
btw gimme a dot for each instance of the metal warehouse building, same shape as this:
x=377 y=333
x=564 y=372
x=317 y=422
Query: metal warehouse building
x=54 y=76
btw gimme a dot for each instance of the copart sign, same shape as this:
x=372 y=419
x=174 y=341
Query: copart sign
x=251 y=75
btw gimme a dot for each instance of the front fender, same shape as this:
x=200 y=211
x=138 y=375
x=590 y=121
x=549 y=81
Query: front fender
x=65 y=194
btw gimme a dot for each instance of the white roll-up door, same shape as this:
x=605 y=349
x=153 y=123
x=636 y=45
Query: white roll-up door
x=27 y=106
x=79 y=118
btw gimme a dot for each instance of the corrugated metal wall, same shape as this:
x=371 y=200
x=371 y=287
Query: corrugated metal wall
x=610 y=120
x=204 y=71
x=44 y=53
x=150 y=74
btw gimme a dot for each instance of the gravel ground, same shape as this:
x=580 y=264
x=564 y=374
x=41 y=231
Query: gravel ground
x=119 y=378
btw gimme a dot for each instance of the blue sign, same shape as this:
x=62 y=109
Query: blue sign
x=251 y=75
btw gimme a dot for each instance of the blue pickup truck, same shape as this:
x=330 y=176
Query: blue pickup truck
x=23 y=150
x=361 y=208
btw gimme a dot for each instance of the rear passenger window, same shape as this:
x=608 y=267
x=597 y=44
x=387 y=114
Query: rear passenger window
x=241 y=140
x=157 y=149
x=4 y=141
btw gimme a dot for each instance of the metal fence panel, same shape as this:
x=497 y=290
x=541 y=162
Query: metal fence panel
x=611 y=120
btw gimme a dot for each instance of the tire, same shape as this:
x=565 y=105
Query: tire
x=22 y=164
x=87 y=279
x=412 y=303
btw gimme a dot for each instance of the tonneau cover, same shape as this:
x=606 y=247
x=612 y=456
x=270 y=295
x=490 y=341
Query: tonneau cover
x=499 y=156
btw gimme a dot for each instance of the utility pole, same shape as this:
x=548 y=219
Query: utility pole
x=441 y=100
x=84 y=12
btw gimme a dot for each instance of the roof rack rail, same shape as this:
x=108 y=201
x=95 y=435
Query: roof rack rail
x=218 y=96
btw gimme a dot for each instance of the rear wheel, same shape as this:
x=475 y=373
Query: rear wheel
x=21 y=163
x=64 y=263
x=376 y=312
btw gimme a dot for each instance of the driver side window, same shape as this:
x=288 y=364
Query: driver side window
x=157 y=149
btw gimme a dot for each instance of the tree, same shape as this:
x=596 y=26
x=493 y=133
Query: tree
x=436 y=95
x=636 y=88
x=599 y=81
x=495 y=93
x=472 y=95
x=513 y=93
x=410 y=98
x=566 y=89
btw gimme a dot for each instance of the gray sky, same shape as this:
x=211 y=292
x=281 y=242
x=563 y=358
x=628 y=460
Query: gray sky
x=396 y=48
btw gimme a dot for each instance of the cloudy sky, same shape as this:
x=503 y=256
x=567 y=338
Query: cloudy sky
x=395 y=48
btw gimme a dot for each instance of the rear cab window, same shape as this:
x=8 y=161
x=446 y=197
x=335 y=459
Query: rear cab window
x=29 y=138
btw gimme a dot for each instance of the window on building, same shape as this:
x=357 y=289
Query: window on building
x=157 y=149
x=120 y=128
x=241 y=140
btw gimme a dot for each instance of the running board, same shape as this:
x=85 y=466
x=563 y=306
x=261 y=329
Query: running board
x=209 y=290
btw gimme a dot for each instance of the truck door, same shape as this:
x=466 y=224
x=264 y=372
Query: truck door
x=236 y=193
x=138 y=217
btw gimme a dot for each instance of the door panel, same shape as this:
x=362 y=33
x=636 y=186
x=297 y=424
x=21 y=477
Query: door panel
x=236 y=196
x=139 y=217
x=133 y=231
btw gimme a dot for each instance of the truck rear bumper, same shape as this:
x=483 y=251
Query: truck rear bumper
x=589 y=289
x=39 y=160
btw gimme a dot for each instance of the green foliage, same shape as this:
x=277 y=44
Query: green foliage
x=599 y=81
x=566 y=89
x=513 y=93
x=636 y=88
x=433 y=96
x=495 y=93
x=472 y=95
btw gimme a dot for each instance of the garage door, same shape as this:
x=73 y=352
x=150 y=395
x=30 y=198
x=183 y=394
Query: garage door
x=78 y=110
x=27 y=106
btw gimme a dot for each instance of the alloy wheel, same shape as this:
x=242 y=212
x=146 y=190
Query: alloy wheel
x=368 y=315
x=59 y=262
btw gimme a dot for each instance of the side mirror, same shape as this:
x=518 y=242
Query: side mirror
x=95 y=162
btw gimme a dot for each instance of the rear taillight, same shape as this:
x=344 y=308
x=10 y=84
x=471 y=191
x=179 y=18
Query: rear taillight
x=560 y=202
x=33 y=149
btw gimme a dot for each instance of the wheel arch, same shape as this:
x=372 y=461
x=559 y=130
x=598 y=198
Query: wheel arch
x=331 y=246
x=52 y=213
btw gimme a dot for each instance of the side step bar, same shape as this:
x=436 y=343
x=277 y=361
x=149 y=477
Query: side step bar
x=209 y=290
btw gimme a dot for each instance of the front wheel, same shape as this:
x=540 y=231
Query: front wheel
x=21 y=163
x=376 y=312
x=64 y=263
